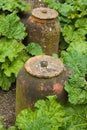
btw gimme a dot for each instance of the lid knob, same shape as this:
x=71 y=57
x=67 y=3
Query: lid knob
x=43 y=63
x=44 y=11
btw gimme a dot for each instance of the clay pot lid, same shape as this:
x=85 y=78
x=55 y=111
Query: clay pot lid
x=44 y=13
x=44 y=66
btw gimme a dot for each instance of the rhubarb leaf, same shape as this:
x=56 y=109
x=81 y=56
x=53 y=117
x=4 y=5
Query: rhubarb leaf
x=14 y=67
x=48 y=115
x=11 y=27
x=76 y=59
x=10 y=49
x=75 y=118
x=34 y=49
x=5 y=82
x=13 y=5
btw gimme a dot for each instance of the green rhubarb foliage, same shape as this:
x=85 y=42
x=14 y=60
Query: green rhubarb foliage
x=72 y=16
x=70 y=9
x=5 y=82
x=34 y=49
x=12 y=58
x=75 y=118
x=76 y=59
x=13 y=67
x=12 y=128
x=1 y=126
x=13 y=5
x=75 y=32
x=11 y=27
x=9 y=49
x=48 y=115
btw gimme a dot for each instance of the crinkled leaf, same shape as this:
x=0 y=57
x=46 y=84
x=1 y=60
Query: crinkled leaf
x=12 y=57
x=81 y=23
x=80 y=46
x=34 y=49
x=1 y=126
x=76 y=117
x=11 y=27
x=79 y=8
x=13 y=5
x=65 y=9
x=77 y=89
x=76 y=59
x=24 y=118
x=10 y=49
x=70 y=34
x=14 y=66
x=12 y=128
x=80 y=34
x=5 y=82
x=48 y=115
x=55 y=55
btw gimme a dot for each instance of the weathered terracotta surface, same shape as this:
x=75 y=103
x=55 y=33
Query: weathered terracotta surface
x=31 y=88
x=45 y=32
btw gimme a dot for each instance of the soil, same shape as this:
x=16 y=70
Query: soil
x=7 y=107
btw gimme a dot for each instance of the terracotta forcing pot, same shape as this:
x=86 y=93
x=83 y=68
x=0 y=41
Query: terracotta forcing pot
x=41 y=76
x=43 y=27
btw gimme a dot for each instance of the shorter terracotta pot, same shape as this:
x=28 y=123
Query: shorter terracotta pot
x=41 y=76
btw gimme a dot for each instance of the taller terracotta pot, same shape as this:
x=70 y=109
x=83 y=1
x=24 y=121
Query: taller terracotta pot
x=43 y=27
x=41 y=76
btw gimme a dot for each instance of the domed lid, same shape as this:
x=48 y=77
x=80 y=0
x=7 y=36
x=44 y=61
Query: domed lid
x=44 y=13
x=44 y=66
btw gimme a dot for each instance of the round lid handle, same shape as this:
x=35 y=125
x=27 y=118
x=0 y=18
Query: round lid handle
x=44 y=11
x=43 y=63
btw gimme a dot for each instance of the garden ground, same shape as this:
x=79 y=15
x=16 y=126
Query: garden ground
x=7 y=106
